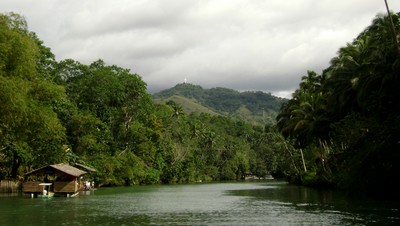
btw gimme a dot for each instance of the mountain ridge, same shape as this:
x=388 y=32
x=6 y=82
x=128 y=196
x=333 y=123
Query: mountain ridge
x=252 y=106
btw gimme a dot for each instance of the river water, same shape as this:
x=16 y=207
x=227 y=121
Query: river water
x=267 y=202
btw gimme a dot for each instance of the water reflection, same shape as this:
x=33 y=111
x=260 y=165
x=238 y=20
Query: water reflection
x=249 y=203
x=329 y=206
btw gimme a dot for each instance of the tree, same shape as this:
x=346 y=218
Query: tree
x=354 y=98
x=31 y=131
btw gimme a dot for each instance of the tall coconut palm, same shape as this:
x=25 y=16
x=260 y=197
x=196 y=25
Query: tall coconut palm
x=393 y=29
x=304 y=117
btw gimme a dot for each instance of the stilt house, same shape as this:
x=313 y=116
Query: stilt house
x=65 y=179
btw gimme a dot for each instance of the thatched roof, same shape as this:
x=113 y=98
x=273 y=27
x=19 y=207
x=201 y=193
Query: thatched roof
x=86 y=168
x=63 y=167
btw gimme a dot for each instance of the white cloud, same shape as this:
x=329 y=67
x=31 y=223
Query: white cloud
x=238 y=44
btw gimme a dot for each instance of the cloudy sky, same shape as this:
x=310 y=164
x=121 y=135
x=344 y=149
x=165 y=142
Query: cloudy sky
x=259 y=45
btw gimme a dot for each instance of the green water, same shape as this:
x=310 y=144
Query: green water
x=238 y=203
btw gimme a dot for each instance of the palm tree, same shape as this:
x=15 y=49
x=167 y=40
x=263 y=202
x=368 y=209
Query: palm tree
x=361 y=84
x=177 y=109
x=393 y=29
x=305 y=117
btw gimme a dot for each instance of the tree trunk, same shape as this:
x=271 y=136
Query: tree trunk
x=302 y=158
x=291 y=156
x=392 y=28
x=15 y=165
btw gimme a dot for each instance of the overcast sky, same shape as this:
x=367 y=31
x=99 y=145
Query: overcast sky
x=259 y=45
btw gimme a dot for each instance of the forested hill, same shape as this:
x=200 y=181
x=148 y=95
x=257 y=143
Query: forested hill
x=340 y=129
x=250 y=106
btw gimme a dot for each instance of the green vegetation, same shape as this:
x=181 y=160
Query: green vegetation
x=189 y=105
x=102 y=116
x=254 y=107
x=346 y=120
x=340 y=129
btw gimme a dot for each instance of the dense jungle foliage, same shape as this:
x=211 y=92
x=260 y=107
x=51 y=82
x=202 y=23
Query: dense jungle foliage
x=340 y=129
x=346 y=121
x=102 y=116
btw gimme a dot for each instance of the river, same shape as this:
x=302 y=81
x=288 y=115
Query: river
x=266 y=202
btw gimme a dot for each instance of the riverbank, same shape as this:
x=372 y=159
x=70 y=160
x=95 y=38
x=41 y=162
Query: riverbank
x=9 y=186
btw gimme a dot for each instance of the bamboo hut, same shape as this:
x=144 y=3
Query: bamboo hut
x=89 y=177
x=64 y=178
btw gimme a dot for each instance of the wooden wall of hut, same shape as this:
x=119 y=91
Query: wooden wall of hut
x=66 y=186
x=32 y=186
x=8 y=186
